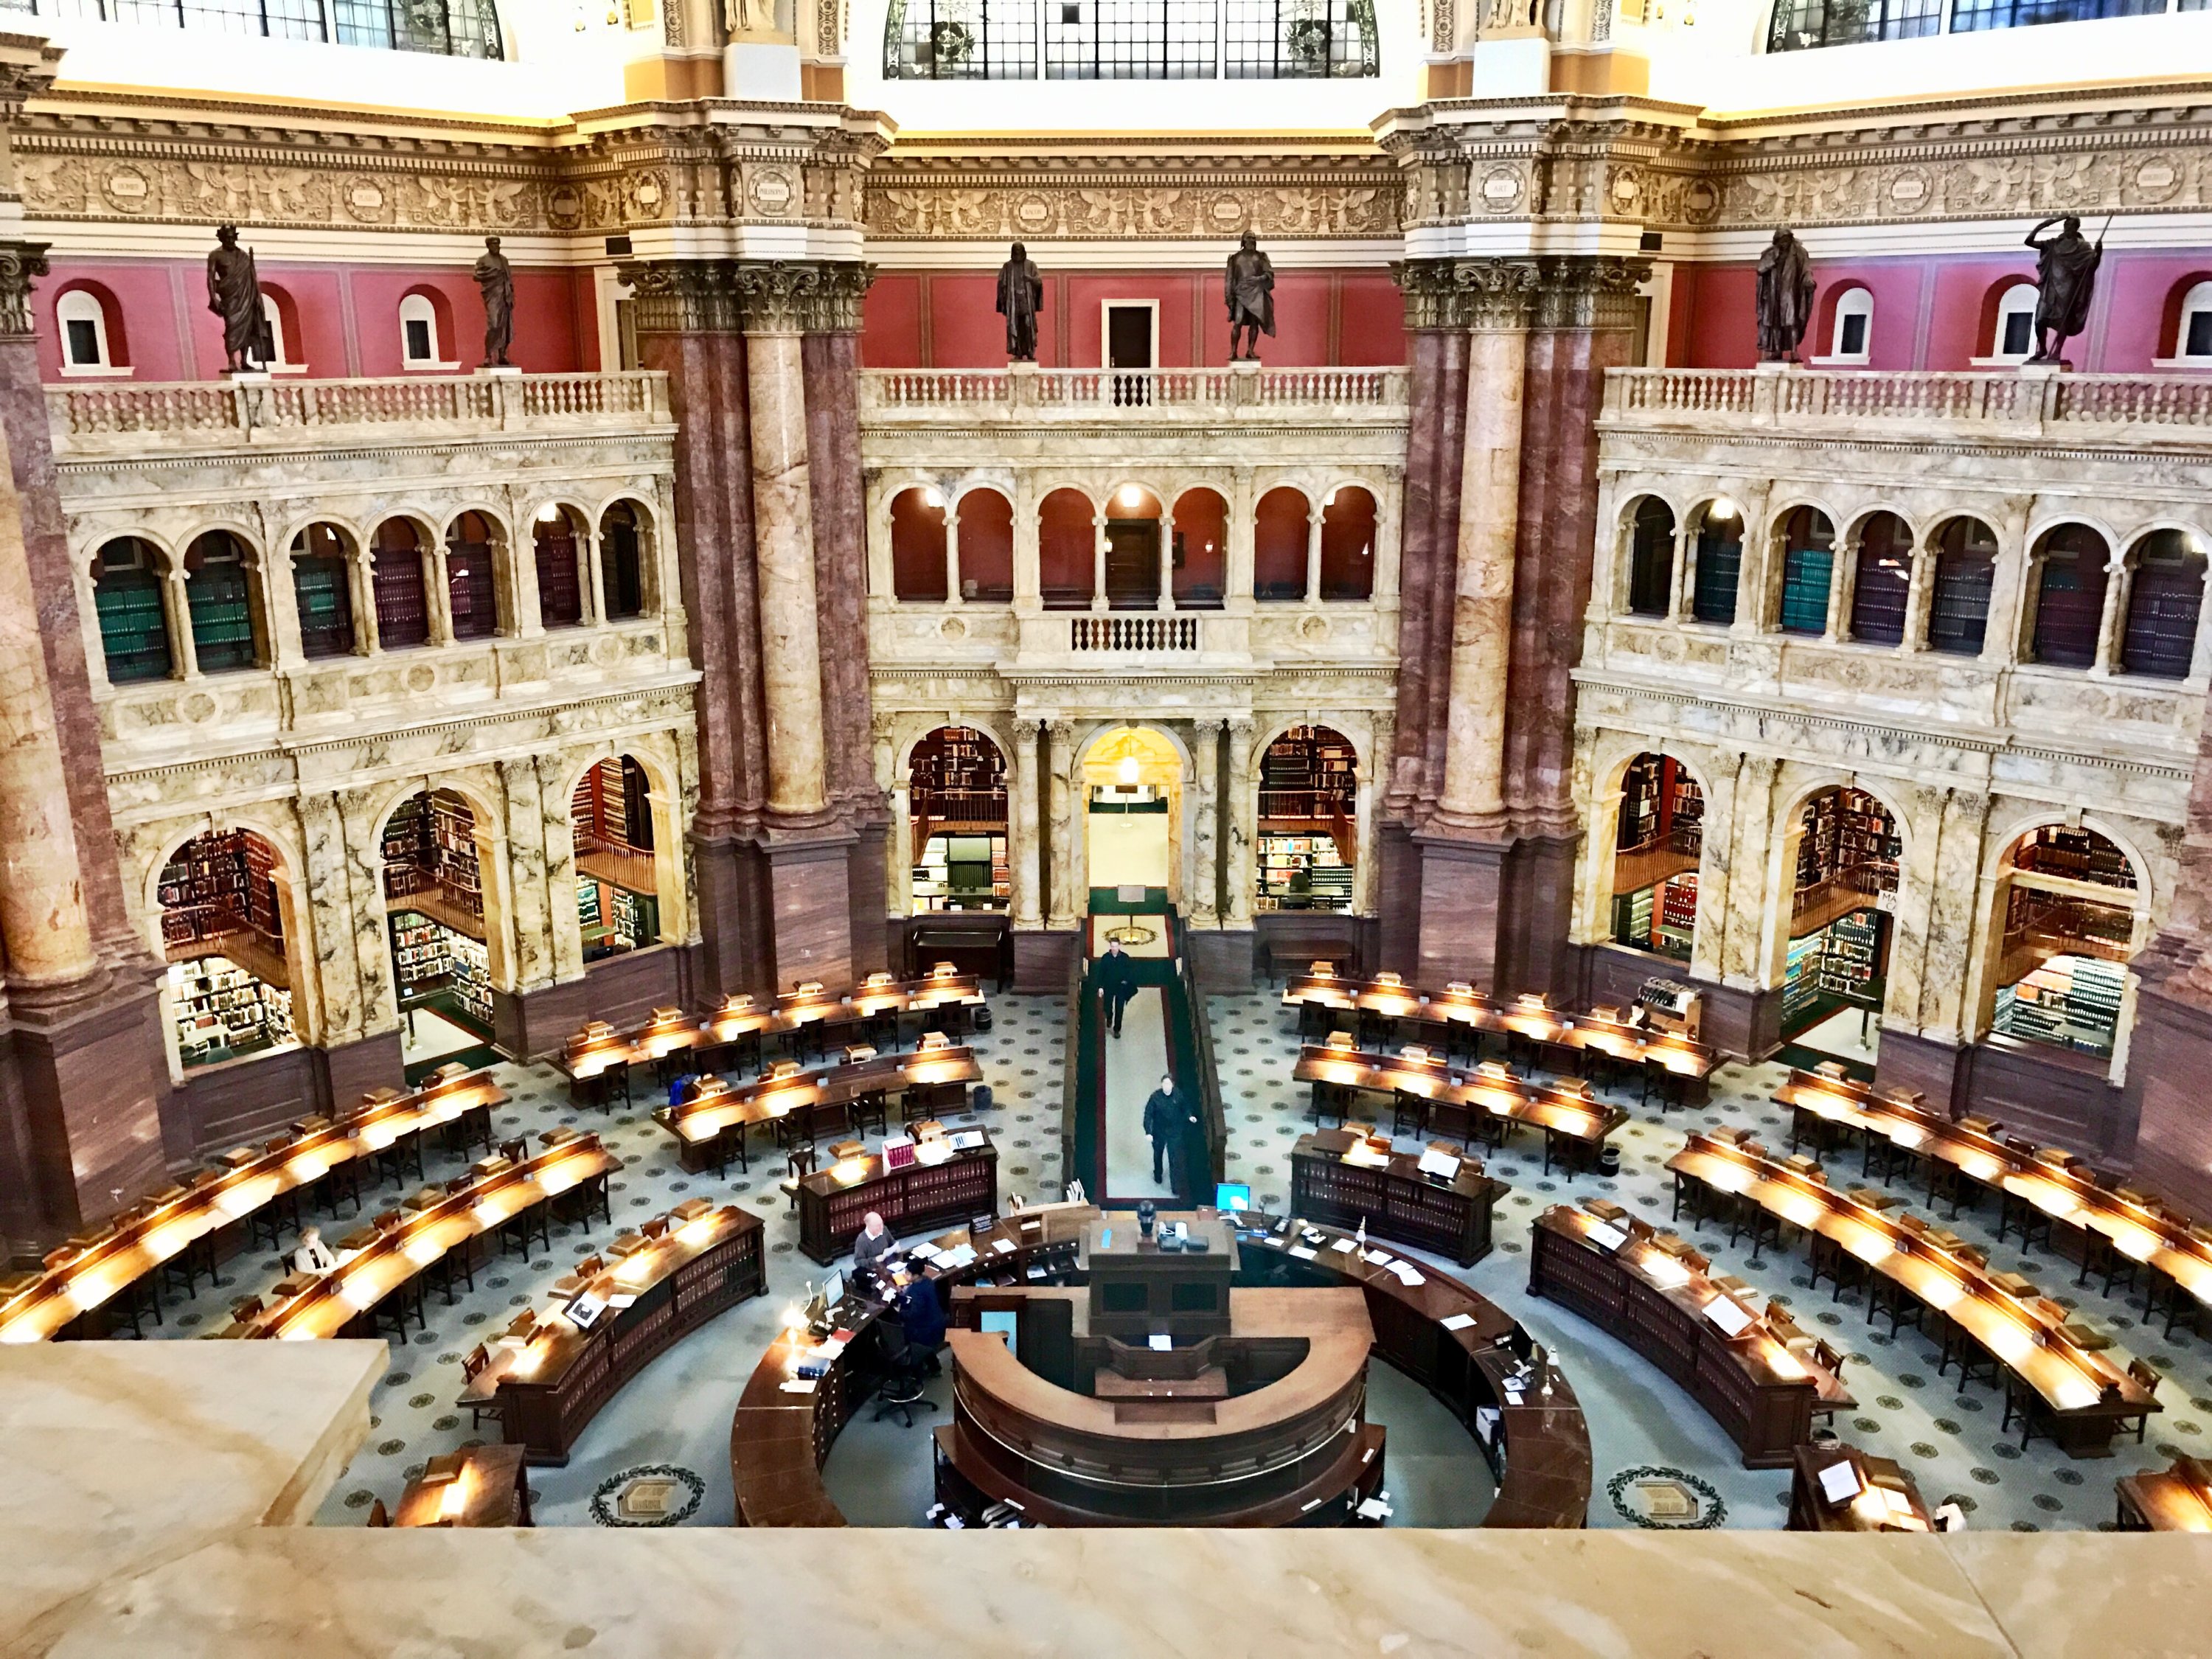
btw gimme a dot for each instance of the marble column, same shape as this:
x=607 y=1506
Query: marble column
x=1488 y=539
x=1243 y=824
x=1028 y=913
x=1206 y=808
x=1313 y=553
x=1099 y=601
x=1058 y=759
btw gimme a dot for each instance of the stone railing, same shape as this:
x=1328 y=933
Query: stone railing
x=196 y=414
x=1236 y=392
x=1132 y=633
x=2005 y=403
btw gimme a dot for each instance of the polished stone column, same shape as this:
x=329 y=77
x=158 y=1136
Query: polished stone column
x=1243 y=824
x=1028 y=913
x=1058 y=760
x=1205 y=810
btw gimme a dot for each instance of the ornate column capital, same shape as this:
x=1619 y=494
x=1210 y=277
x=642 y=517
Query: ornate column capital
x=1432 y=293
x=799 y=296
x=20 y=264
x=1589 y=290
x=1026 y=727
x=683 y=296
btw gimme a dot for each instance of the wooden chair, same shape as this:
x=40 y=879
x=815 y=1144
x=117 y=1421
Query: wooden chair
x=472 y=1367
x=1832 y=1362
x=867 y=1110
x=378 y=1515
x=516 y=1150
x=798 y=1162
x=1409 y=1115
x=2023 y=1405
x=2147 y=1374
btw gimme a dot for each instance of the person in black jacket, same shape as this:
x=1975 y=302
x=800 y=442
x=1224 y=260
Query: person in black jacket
x=1167 y=1116
x=1115 y=978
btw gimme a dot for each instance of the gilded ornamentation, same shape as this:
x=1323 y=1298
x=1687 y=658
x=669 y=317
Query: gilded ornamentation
x=916 y=204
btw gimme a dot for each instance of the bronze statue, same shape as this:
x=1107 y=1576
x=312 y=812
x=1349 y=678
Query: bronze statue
x=234 y=295
x=2065 y=279
x=1250 y=288
x=495 y=281
x=1785 y=298
x=1021 y=292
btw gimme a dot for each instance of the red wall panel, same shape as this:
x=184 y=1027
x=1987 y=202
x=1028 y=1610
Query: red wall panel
x=1372 y=329
x=890 y=323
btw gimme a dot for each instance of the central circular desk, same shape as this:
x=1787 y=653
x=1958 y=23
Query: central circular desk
x=1463 y=1348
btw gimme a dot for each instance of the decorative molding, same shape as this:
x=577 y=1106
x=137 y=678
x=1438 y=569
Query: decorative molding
x=1554 y=291
x=20 y=264
x=1593 y=291
x=752 y=296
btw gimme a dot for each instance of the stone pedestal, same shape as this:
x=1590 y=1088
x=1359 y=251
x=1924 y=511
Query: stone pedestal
x=89 y=1080
x=2169 y=1061
x=1456 y=928
x=810 y=908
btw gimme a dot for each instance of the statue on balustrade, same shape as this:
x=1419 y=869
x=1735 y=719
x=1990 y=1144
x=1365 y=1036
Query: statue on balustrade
x=2065 y=278
x=234 y=295
x=495 y=281
x=1021 y=294
x=1785 y=298
x=1250 y=288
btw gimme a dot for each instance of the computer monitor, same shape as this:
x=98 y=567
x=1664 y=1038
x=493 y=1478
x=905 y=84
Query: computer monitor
x=1007 y=1325
x=1232 y=1195
x=832 y=1291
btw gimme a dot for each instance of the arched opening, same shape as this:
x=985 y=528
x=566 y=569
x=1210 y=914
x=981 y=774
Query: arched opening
x=426 y=331
x=1850 y=335
x=223 y=603
x=1201 y=549
x=1809 y=569
x=1132 y=549
x=472 y=576
x=134 y=626
x=957 y=795
x=1309 y=821
x=1133 y=802
x=402 y=609
x=986 y=547
x=918 y=545
x=1280 y=524
x=2069 y=903
x=622 y=562
x=1650 y=557
x=1657 y=843
x=282 y=316
x=618 y=868
x=2165 y=592
x=434 y=900
x=557 y=539
x=2191 y=335
x=92 y=328
x=2069 y=596
x=1067 y=545
x=322 y=591
x=224 y=935
x=1882 y=580
x=1836 y=970
x=1347 y=545
x=1719 y=562
x=1959 y=602
x=2010 y=334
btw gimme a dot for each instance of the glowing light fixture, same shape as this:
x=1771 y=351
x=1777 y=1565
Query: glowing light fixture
x=932 y=496
x=1127 y=772
x=1723 y=511
x=549 y=513
x=1131 y=497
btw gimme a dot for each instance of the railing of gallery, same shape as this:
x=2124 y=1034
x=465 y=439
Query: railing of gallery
x=2002 y=397
x=1095 y=392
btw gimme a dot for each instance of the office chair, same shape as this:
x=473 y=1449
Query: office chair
x=904 y=1380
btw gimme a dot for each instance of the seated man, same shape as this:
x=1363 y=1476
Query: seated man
x=921 y=1316
x=874 y=1243
x=313 y=1256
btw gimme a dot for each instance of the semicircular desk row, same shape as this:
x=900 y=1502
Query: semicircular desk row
x=1463 y=1348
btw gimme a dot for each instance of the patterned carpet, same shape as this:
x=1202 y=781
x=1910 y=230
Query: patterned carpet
x=1649 y=1439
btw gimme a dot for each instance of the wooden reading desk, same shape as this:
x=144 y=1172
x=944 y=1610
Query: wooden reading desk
x=1758 y=1379
x=713 y=1123
x=833 y=1203
x=1887 y=1498
x=2177 y=1498
x=2079 y=1388
x=84 y=1274
x=1336 y=1178
x=483 y=1486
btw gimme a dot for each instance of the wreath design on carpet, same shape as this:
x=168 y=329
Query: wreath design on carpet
x=1671 y=1499
x=649 y=1495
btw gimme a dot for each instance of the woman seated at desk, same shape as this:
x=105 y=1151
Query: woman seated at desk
x=313 y=1256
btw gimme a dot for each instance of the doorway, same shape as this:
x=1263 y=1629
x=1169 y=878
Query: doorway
x=1132 y=797
x=1836 y=966
x=1131 y=333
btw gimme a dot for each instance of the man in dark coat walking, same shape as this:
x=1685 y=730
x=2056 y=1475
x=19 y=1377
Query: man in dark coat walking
x=1114 y=978
x=1168 y=1118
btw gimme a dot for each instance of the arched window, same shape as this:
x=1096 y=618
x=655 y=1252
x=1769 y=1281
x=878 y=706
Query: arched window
x=219 y=598
x=1808 y=568
x=91 y=336
x=622 y=562
x=918 y=545
x=1201 y=549
x=957 y=798
x=422 y=344
x=2192 y=331
x=1279 y=548
x=2012 y=339
x=222 y=931
x=2166 y=591
x=1130 y=41
x=322 y=589
x=2069 y=596
x=1959 y=606
x=1720 y=560
x=1068 y=540
x=403 y=611
x=134 y=628
x=1309 y=819
x=1651 y=558
x=986 y=547
x=2062 y=965
x=1347 y=545
x=560 y=584
x=1881 y=578
x=1850 y=340
x=1657 y=843
x=282 y=316
x=472 y=580
x=1132 y=549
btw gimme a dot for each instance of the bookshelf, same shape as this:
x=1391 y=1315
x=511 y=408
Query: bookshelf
x=134 y=636
x=1678 y=916
x=430 y=848
x=319 y=583
x=1302 y=872
x=437 y=967
x=1801 y=981
x=218 y=598
x=2075 y=854
x=2069 y=1002
x=217 y=884
x=402 y=610
x=1851 y=959
x=1308 y=777
x=962 y=872
x=224 y=1012
x=959 y=778
x=1848 y=837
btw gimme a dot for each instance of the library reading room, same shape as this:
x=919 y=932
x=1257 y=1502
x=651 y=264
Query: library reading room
x=1182 y=770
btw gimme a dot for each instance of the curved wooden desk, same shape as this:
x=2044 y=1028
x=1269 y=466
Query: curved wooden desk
x=1538 y=1447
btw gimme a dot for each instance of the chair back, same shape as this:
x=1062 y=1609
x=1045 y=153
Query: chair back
x=378 y=1515
x=1831 y=1361
x=516 y=1150
x=2145 y=1373
x=590 y=1267
x=474 y=1362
